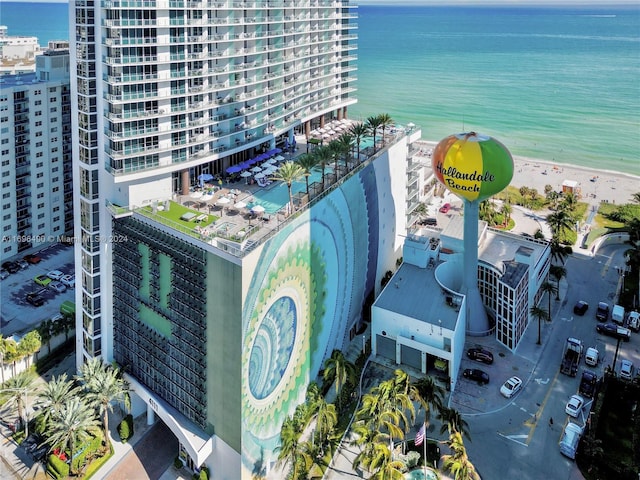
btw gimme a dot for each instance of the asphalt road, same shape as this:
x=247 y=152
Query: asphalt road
x=515 y=440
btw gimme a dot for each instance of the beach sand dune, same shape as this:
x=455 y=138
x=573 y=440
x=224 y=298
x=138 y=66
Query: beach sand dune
x=595 y=185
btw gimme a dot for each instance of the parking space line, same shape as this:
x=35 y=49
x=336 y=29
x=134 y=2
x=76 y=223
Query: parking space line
x=538 y=414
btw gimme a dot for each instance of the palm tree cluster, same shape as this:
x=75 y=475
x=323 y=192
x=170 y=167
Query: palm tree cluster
x=301 y=450
x=386 y=416
x=307 y=435
x=72 y=409
x=338 y=152
x=11 y=351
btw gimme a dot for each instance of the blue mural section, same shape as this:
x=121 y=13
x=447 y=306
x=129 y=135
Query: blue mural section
x=308 y=289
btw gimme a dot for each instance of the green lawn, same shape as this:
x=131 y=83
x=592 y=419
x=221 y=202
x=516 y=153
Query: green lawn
x=171 y=217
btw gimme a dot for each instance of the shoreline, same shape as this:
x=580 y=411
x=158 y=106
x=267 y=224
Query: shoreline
x=595 y=185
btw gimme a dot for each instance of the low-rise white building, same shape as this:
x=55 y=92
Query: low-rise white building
x=420 y=317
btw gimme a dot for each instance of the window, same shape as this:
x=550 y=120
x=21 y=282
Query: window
x=38 y=102
x=39 y=123
x=40 y=185
x=39 y=164
x=41 y=205
x=38 y=134
x=41 y=216
x=38 y=144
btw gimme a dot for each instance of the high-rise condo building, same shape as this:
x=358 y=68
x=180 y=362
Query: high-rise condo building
x=220 y=323
x=35 y=154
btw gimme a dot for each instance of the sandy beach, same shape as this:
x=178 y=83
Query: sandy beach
x=595 y=185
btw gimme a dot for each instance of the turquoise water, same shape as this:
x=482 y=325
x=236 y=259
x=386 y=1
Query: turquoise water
x=559 y=84
x=276 y=196
x=420 y=475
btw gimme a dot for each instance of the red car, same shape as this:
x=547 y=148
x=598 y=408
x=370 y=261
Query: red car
x=32 y=259
x=445 y=208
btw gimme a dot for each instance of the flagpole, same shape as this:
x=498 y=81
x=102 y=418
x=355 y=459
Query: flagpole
x=425 y=448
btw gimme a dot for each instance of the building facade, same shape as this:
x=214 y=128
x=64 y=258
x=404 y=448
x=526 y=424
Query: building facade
x=168 y=91
x=35 y=154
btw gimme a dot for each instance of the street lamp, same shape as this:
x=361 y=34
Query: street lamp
x=622 y=271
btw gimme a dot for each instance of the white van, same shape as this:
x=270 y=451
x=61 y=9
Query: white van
x=591 y=357
x=570 y=439
x=617 y=314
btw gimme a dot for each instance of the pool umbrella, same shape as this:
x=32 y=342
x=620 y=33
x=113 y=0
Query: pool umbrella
x=279 y=158
x=240 y=205
x=256 y=169
x=259 y=175
x=257 y=209
x=246 y=174
x=223 y=201
x=197 y=194
x=233 y=169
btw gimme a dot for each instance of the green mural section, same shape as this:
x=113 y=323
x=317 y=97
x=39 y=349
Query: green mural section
x=155 y=321
x=145 y=289
x=224 y=342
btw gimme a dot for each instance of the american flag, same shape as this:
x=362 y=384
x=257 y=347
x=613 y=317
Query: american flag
x=420 y=436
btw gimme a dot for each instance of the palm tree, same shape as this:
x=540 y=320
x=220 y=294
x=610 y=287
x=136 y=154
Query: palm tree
x=71 y=425
x=559 y=251
x=44 y=329
x=635 y=198
x=307 y=162
x=323 y=155
x=326 y=419
x=16 y=392
x=339 y=370
x=373 y=123
x=105 y=386
x=569 y=202
x=385 y=121
x=56 y=392
x=289 y=172
x=452 y=421
x=345 y=143
x=29 y=345
x=506 y=211
x=557 y=272
x=359 y=131
x=458 y=463
x=290 y=447
x=384 y=466
x=550 y=289
x=558 y=222
x=336 y=150
x=431 y=395
x=540 y=314
x=366 y=439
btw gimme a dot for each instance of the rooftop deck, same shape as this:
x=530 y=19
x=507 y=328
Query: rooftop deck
x=220 y=215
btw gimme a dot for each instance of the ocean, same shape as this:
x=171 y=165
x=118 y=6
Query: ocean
x=555 y=83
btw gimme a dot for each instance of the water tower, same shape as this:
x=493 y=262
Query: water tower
x=473 y=167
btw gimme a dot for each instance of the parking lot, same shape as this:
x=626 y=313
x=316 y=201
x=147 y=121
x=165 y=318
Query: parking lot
x=16 y=314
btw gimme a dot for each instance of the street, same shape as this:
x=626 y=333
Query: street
x=517 y=440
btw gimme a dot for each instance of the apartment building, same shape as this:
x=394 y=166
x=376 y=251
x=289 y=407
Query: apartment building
x=35 y=154
x=167 y=92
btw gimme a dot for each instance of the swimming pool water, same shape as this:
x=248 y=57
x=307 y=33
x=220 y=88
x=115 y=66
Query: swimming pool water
x=274 y=197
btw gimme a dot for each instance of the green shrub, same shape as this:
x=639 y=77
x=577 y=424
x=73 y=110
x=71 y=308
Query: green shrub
x=204 y=474
x=57 y=468
x=125 y=428
x=177 y=463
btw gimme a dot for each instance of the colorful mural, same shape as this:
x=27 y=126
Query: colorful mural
x=307 y=291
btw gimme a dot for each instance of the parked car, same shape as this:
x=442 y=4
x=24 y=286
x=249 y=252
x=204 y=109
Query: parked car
x=476 y=375
x=602 y=312
x=511 y=387
x=574 y=406
x=3 y=274
x=23 y=264
x=445 y=208
x=570 y=439
x=633 y=321
x=428 y=221
x=32 y=258
x=34 y=299
x=613 y=330
x=68 y=281
x=55 y=274
x=626 y=369
x=57 y=287
x=581 y=307
x=11 y=267
x=480 y=355
x=42 y=280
